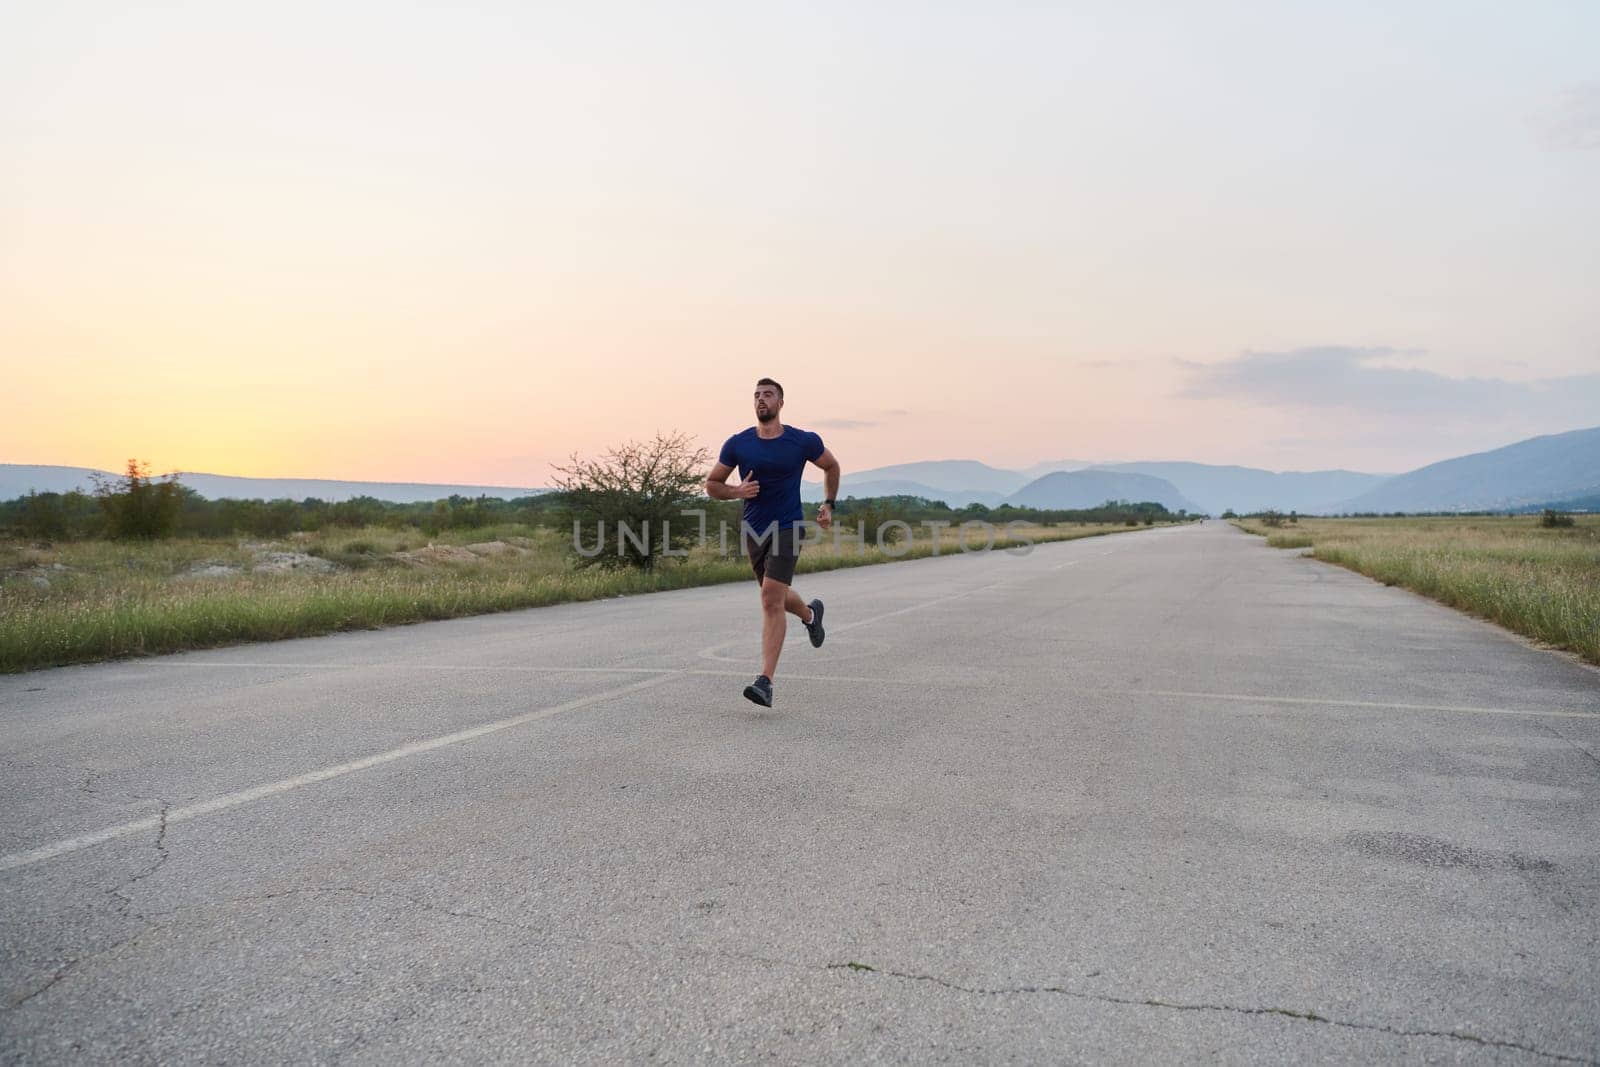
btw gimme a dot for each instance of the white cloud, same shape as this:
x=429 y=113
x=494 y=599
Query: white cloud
x=1572 y=122
x=1366 y=380
x=873 y=419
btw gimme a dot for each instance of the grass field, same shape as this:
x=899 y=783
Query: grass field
x=93 y=600
x=1542 y=583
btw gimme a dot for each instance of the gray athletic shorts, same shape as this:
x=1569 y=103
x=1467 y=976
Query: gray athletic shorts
x=774 y=557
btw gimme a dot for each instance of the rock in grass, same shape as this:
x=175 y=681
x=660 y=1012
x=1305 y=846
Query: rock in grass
x=279 y=562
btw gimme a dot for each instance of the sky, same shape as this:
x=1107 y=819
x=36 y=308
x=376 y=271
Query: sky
x=406 y=242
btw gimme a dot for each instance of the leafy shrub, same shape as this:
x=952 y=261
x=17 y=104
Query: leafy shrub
x=632 y=498
x=42 y=517
x=136 y=506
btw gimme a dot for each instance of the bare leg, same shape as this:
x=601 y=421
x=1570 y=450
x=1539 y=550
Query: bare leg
x=795 y=606
x=773 y=623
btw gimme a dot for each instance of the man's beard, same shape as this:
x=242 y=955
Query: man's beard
x=765 y=414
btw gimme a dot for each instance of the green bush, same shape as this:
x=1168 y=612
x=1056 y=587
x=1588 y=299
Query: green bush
x=136 y=506
x=631 y=501
x=42 y=517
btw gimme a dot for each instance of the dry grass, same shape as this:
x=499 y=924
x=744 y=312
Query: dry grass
x=79 y=602
x=1542 y=583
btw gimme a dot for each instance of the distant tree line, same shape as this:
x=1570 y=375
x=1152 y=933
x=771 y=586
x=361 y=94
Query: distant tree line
x=625 y=485
x=82 y=516
x=1272 y=517
x=915 y=508
x=135 y=506
x=151 y=512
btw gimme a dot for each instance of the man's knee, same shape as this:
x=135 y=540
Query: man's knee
x=773 y=595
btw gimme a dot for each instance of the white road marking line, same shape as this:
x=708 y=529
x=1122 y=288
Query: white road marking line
x=245 y=796
x=1377 y=705
x=423 y=667
x=177 y=660
x=1069 y=563
x=524 y=668
x=709 y=652
x=231 y=800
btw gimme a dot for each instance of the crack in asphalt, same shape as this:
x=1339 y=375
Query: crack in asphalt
x=124 y=907
x=652 y=952
x=119 y=892
x=73 y=964
x=1150 y=1002
x=61 y=972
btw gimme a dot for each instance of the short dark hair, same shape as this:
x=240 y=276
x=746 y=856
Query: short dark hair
x=775 y=385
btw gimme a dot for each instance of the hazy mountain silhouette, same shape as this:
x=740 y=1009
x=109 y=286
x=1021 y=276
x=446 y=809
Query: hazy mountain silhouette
x=1539 y=470
x=963 y=474
x=1246 y=489
x=1091 y=488
x=1558 y=468
x=1050 y=466
x=19 y=479
x=851 y=487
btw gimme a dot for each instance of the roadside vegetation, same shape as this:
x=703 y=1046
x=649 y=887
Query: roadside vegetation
x=146 y=567
x=1536 y=574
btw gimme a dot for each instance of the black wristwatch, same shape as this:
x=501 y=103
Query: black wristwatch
x=830 y=502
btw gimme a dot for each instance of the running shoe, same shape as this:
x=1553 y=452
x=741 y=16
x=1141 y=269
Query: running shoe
x=814 y=627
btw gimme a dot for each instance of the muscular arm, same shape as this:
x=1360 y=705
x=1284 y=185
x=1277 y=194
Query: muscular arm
x=717 y=487
x=830 y=473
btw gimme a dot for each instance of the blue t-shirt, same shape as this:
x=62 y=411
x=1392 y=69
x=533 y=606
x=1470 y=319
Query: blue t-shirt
x=777 y=464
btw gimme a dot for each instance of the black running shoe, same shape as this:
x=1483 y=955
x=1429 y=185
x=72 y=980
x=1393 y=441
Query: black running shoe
x=760 y=691
x=814 y=627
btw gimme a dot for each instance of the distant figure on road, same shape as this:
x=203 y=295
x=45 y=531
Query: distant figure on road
x=770 y=458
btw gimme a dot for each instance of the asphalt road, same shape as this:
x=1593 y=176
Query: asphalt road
x=1168 y=794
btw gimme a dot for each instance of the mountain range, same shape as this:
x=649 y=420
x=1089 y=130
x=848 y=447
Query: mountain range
x=1539 y=470
x=19 y=480
x=1196 y=487
x=1561 y=468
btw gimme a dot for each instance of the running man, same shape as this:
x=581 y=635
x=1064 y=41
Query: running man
x=770 y=458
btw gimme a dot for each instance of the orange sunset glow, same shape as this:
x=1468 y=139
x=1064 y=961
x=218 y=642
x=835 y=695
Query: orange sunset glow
x=409 y=243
